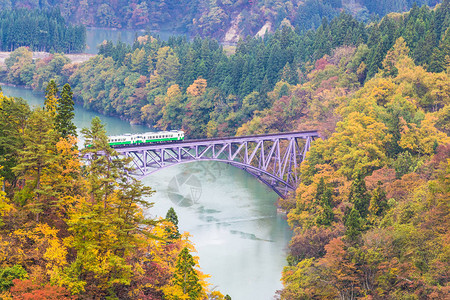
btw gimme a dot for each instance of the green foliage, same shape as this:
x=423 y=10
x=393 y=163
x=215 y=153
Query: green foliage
x=212 y=18
x=64 y=113
x=78 y=229
x=172 y=217
x=13 y=115
x=41 y=30
x=378 y=202
x=138 y=82
x=8 y=274
x=51 y=97
x=383 y=165
x=353 y=224
x=358 y=195
x=39 y=139
x=186 y=277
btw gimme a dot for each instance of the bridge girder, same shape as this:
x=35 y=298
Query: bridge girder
x=274 y=159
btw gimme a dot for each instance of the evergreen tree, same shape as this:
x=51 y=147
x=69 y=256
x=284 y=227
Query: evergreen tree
x=353 y=225
x=116 y=225
x=320 y=189
x=65 y=114
x=51 y=97
x=324 y=197
x=186 y=277
x=326 y=217
x=358 y=195
x=172 y=217
x=39 y=143
x=14 y=113
x=378 y=202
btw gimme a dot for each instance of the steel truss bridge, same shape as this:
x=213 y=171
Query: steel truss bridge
x=274 y=159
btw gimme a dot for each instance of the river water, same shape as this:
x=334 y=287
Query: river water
x=240 y=238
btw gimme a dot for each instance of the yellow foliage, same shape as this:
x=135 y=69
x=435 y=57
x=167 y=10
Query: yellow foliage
x=421 y=139
x=173 y=91
x=5 y=206
x=254 y=126
x=197 y=88
x=358 y=144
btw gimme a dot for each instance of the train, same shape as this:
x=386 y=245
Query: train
x=146 y=137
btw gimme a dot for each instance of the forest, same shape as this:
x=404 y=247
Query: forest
x=370 y=219
x=40 y=30
x=156 y=82
x=214 y=18
x=70 y=230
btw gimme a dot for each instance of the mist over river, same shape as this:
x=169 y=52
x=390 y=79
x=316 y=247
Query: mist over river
x=232 y=217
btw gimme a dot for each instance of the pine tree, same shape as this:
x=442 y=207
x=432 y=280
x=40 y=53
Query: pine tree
x=39 y=144
x=63 y=120
x=186 y=277
x=378 y=202
x=326 y=217
x=323 y=198
x=320 y=189
x=353 y=225
x=51 y=97
x=172 y=217
x=13 y=115
x=358 y=195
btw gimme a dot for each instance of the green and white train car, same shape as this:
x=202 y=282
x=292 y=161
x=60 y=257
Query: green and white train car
x=147 y=137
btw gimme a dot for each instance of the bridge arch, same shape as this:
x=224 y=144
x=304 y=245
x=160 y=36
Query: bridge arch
x=274 y=159
x=278 y=185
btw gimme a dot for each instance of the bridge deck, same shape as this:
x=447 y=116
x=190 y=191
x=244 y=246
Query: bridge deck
x=272 y=158
x=237 y=139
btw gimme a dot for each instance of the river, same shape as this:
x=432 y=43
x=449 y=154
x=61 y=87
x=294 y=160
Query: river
x=240 y=238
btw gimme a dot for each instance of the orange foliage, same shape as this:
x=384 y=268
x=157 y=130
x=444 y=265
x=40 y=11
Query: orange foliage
x=197 y=88
x=28 y=290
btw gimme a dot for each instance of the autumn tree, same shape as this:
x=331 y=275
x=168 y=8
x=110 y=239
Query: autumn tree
x=104 y=242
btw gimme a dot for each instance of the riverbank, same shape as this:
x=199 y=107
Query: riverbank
x=74 y=58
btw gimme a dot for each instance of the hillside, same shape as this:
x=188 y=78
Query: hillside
x=226 y=20
x=370 y=218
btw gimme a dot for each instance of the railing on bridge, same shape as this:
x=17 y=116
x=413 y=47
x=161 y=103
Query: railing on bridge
x=272 y=158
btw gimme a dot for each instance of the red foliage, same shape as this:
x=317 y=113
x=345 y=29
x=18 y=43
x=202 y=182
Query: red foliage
x=312 y=242
x=328 y=84
x=321 y=63
x=438 y=161
x=403 y=187
x=28 y=290
x=383 y=175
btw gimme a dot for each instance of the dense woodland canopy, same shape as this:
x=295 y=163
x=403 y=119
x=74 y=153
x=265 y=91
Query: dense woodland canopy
x=214 y=18
x=195 y=86
x=371 y=216
x=70 y=230
x=41 y=30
